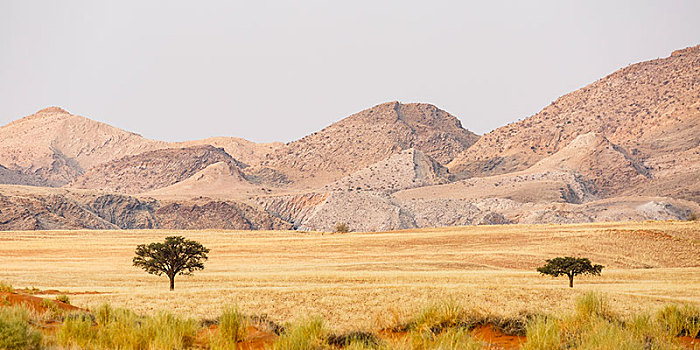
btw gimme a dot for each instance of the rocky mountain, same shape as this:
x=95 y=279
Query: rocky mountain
x=626 y=147
x=368 y=137
x=53 y=147
x=651 y=109
x=154 y=169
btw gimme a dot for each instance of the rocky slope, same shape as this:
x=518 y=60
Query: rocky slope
x=370 y=136
x=155 y=169
x=407 y=169
x=651 y=109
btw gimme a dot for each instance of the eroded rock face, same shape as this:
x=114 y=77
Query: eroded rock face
x=126 y=212
x=217 y=215
x=32 y=211
x=152 y=170
x=47 y=213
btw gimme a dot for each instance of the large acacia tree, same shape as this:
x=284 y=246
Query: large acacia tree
x=569 y=267
x=175 y=256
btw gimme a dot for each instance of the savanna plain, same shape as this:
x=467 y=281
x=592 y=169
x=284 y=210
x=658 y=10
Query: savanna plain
x=368 y=284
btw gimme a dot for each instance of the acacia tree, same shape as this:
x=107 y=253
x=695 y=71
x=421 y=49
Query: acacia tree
x=175 y=256
x=569 y=267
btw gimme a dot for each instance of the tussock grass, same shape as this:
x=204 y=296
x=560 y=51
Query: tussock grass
x=16 y=333
x=594 y=325
x=124 y=329
x=308 y=333
x=448 y=339
x=233 y=328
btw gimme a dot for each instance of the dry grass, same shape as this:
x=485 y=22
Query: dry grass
x=361 y=280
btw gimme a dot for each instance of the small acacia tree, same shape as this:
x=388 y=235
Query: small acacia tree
x=569 y=267
x=175 y=256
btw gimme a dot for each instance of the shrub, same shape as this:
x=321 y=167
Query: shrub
x=63 y=298
x=6 y=287
x=341 y=227
x=15 y=331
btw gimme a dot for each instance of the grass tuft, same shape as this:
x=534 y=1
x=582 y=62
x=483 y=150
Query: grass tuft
x=233 y=328
x=305 y=334
x=124 y=329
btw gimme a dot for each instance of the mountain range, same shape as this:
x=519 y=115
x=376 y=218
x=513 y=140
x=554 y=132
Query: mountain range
x=625 y=147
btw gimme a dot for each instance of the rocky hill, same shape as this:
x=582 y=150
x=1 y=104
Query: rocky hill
x=370 y=136
x=626 y=147
x=247 y=152
x=155 y=169
x=53 y=147
x=651 y=109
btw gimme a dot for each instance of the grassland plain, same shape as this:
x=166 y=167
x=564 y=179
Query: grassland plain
x=366 y=280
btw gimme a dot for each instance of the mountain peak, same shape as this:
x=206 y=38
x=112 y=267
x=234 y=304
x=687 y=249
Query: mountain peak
x=52 y=109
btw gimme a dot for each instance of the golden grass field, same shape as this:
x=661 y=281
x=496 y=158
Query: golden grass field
x=365 y=280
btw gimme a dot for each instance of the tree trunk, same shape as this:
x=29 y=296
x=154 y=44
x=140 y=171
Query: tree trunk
x=172 y=282
x=571 y=281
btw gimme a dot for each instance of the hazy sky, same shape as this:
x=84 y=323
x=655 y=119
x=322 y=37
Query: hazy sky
x=278 y=70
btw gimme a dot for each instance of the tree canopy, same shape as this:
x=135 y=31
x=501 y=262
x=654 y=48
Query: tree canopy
x=175 y=256
x=570 y=267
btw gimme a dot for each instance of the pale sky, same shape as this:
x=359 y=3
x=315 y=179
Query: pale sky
x=278 y=70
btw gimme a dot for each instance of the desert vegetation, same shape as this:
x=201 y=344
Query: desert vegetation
x=175 y=256
x=592 y=322
x=449 y=288
x=569 y=267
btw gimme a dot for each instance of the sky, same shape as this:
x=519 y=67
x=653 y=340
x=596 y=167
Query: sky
x=278 y=70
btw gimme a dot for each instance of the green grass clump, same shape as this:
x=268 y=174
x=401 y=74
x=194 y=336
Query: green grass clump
x=63 y=298
x=306 y=334
x=6 y=287
x=233 y=328
x=124 y=329
x=15 y=331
